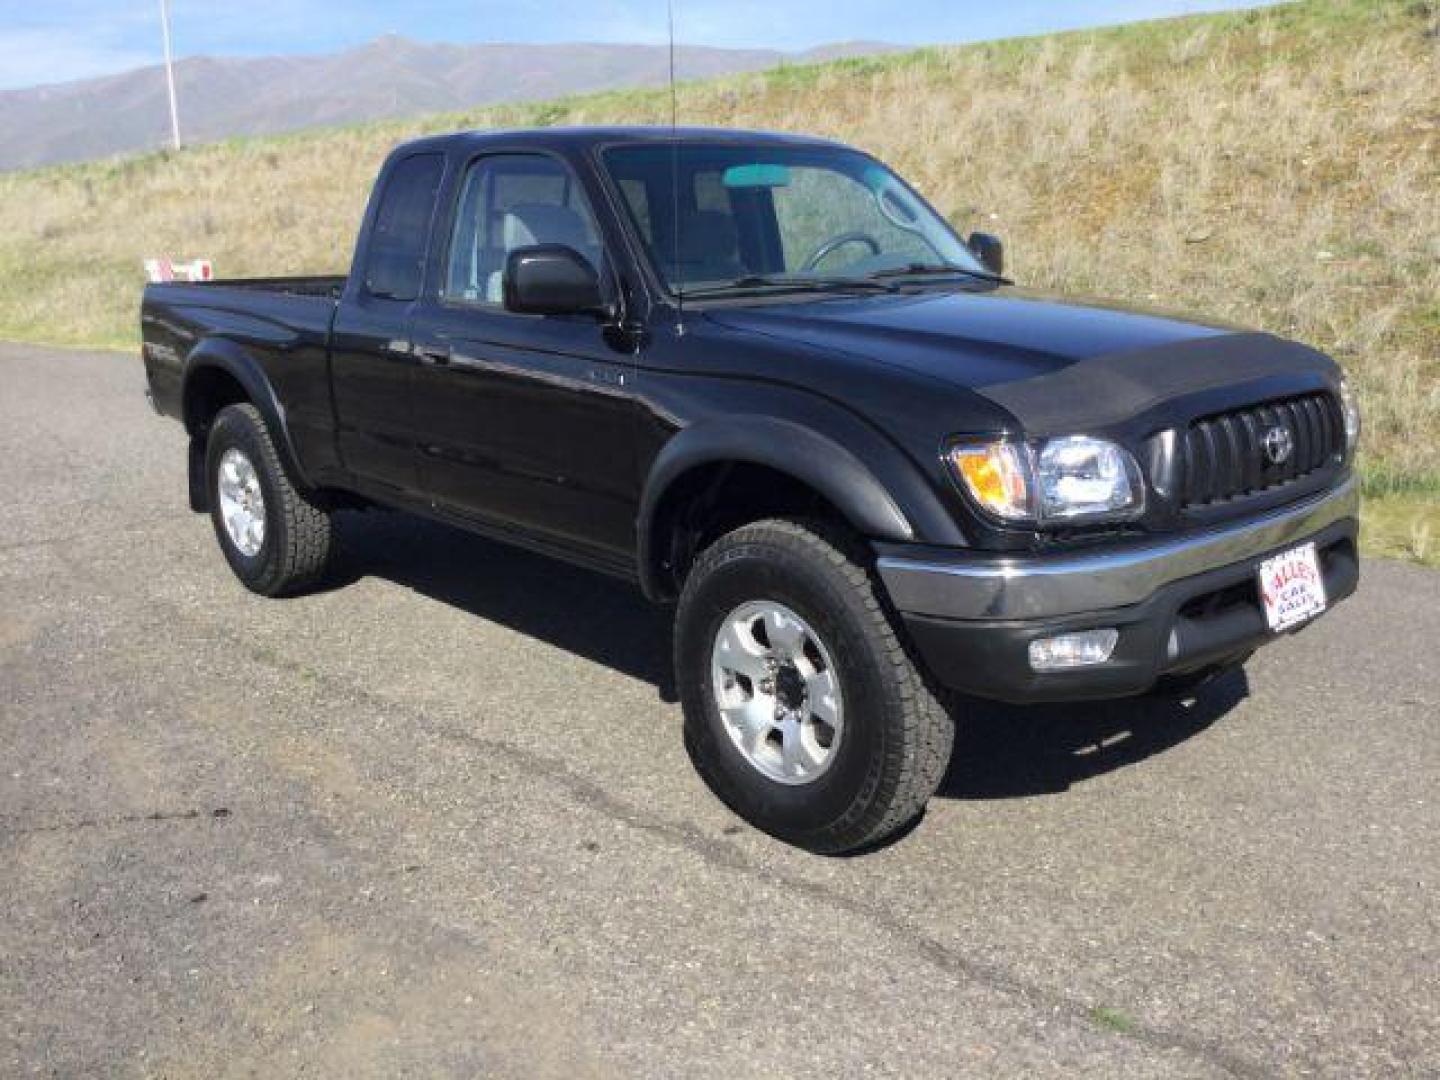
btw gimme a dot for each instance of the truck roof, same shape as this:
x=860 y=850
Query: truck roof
x=586 y=137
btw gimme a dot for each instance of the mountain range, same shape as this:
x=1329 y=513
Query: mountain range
x=390 y=77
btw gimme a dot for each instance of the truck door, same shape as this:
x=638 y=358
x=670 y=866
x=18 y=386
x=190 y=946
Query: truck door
x=528 y=422
x=371 y=364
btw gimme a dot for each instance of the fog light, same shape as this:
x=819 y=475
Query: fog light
x=1073 y=650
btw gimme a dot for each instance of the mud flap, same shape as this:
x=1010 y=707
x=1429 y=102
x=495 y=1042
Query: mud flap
x=199 y=489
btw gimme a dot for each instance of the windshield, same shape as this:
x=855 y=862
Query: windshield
x=724 y=217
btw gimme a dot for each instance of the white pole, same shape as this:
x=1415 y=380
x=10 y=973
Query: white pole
x=170 y=73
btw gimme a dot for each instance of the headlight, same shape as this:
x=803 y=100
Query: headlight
x=1072 y=478
x=1084 y=477
x=1350 y=407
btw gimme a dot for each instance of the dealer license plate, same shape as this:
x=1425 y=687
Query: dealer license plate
x=1291 y=587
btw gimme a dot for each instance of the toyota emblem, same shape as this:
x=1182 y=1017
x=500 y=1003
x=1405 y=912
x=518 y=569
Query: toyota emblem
x=1279 y=444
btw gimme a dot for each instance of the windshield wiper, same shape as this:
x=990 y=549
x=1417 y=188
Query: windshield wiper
x=930 y=270
x=763 y=282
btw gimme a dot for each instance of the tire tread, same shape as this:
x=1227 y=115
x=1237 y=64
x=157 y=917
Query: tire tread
x=305 y=529
x=918 y=759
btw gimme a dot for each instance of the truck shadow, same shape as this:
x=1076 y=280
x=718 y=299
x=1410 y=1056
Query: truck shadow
x=1001 y=751
x=1012 y=751
x=600 y=619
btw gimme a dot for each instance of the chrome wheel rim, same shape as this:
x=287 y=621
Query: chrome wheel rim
x=778 y=692
x=242 y=503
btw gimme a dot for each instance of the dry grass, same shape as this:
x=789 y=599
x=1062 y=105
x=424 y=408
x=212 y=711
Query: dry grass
x=1403 y=527
x=1277 y=168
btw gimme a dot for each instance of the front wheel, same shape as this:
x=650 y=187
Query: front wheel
x=276 y=540
x=804 y=711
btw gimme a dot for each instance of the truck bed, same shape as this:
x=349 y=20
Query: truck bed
x=328 y=286
x=282 y=323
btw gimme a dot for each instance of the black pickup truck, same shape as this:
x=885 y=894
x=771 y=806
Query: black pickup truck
x=761 y=378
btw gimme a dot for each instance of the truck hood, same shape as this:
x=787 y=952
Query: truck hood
x=1052 y=363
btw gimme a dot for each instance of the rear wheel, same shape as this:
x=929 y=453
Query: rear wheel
x=804 y=711
x=276 y=540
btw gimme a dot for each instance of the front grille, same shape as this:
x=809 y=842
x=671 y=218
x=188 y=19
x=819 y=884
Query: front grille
x=1227 y=456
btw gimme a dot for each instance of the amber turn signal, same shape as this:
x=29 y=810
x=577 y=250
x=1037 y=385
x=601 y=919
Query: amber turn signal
x=996 y=475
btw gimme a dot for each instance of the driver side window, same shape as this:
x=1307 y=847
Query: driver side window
x=511 y=201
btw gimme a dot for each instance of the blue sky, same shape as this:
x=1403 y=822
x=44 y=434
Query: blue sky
x=54 y=41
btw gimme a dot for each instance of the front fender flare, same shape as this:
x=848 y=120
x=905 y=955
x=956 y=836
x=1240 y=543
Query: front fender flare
x=785 y=446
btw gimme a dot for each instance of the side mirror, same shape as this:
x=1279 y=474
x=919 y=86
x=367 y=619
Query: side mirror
x=551 y=279
x=989 y=250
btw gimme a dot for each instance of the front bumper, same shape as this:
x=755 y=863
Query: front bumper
x=1180 y=603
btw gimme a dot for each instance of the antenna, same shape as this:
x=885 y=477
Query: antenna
x=675 y=173
x=674 y=97
x=170 y=73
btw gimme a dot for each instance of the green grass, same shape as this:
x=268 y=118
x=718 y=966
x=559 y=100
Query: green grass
x=1112 y=1019
x=1402 y=527
x=1400 y=515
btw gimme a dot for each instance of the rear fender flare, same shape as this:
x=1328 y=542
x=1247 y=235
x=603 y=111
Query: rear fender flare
x=240 y=365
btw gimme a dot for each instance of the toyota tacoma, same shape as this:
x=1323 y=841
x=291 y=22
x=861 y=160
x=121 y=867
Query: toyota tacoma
x=760 y=377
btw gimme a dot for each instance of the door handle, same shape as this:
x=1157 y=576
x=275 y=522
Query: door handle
x=433 y=354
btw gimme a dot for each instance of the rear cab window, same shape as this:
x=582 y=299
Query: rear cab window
x=400 y=236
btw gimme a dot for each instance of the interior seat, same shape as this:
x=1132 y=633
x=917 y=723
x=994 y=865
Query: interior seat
x=709 y=248
x=528 y=224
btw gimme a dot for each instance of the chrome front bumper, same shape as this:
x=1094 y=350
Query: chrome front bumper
x=967 y=585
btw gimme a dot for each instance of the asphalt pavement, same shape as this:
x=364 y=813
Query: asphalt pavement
x=437 y=820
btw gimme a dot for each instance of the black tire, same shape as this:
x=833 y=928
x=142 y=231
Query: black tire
x=299 y=536
x=897 y=735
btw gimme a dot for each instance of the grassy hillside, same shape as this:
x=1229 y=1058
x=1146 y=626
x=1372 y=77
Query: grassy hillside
x=1278 y=168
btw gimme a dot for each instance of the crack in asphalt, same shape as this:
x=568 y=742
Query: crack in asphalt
x=40 y=543
x=79 y=824
x=714 y=852
x=727 y=856
x=931 y=951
